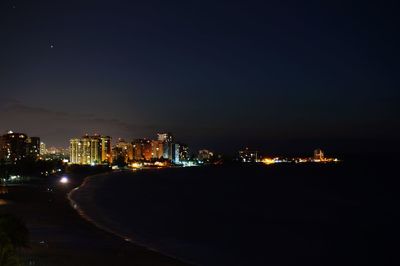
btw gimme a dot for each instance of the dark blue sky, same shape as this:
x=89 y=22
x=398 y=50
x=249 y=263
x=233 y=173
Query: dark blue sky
x=277 y=75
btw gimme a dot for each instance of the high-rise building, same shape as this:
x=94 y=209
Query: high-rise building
x=13 y=146
x=157 y=149
x=96 y=150
x=205 y=155
x=106 y=152
x=165 y=137
x=43 y=149
x=33 y=147
x=319 y=155
x=75 y=151
x=183 y=152
x=167 y=150
x=137 y=150
x=90 y=150
x=142 y=150
x=170 y=150
x=123 y=150
x=175 y=158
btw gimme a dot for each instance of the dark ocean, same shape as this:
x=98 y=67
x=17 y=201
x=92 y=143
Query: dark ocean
x=286 y=214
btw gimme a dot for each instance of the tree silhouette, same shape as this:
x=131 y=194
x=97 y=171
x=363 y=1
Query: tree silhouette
x=13 y=235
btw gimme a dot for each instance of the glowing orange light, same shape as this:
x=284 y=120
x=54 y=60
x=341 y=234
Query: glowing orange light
x=268 y=161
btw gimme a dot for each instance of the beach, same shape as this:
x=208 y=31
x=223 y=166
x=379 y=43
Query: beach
x=59 y=235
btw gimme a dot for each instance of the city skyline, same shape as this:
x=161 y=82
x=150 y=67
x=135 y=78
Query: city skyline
x=163 y=151
x=215 y=133
x=285 y=77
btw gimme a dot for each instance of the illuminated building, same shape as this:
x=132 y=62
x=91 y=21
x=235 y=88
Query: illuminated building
x=167 y=140
x=43 y=150
x=142 y=150
x=123 y=150
x=318 y=155
x=33 y=147
x=146 y=150
x=13 y=146
x=183 y=152
x=90 y=150
x=248 y=156
x=106 y=152
x=165 y=137
x=162 y=148
x=17 y=146
x=269 y=160
x=167 y=150
x=205 y=155
x=157 y=149
x=175 y=158
x=171 y=151
x=75 y=151
x=137 y=149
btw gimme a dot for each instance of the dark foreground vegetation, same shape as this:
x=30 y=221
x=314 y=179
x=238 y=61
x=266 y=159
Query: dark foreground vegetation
x=13 y=235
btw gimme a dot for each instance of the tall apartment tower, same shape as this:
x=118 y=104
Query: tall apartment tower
x=75 y=151
x=43 y=149
x=165 y=137
x=157 y=149
x=142 y=149
x=123 y=150
x=319 y=154
x=33 y=147
x=13 y=146
x=106 y=150
x=90 y=150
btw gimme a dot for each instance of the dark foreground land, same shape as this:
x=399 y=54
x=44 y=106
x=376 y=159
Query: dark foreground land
x=59 y=236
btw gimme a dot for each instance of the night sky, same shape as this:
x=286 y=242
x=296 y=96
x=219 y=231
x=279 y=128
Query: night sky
x=282 y=76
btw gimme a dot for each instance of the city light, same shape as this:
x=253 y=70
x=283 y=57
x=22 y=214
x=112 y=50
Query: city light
x=136 y=165
x=64 y=180
x=268 y=161
x=162 y=164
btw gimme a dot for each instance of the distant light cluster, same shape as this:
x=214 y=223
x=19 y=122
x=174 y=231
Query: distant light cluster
x=319 y=157
x=163 y=151
x=96 y=149
x=18 y=146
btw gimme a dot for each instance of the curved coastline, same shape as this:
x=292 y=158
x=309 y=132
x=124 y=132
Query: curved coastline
x=92 y=219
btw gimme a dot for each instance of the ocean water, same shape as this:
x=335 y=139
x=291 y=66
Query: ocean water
x=297 y=214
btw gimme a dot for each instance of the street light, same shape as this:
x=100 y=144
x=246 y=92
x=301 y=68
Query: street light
x=64 y=180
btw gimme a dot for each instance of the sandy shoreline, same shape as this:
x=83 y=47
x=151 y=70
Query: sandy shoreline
x=93 y=218
x=59 y=235
x=75 y=205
